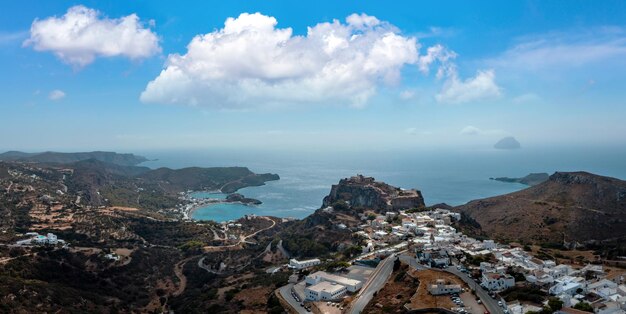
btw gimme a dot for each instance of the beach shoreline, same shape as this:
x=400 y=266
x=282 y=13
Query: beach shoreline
x=196 y=203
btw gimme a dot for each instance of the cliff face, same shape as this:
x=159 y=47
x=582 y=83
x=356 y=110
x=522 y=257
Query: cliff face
x=569 y=208
x=365 y=192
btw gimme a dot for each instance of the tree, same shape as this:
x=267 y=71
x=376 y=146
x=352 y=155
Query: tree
x=555 y=304
x=584 y=306
x=353 y=250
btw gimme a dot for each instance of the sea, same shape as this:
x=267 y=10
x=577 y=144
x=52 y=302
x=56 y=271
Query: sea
x=442 y=175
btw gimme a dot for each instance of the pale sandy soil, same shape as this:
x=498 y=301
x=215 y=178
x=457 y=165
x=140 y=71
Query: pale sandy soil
x=423 y=299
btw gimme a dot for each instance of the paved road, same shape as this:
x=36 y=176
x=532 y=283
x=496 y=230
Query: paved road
x=375 y=283
x=412 y=262
x=488 y=301
x=282 y=249
x=285 y=293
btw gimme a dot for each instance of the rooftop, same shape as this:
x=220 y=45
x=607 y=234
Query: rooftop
x=326 y=286
x=338 y=279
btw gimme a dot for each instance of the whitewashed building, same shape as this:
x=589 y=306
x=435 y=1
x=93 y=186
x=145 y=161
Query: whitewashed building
x=497 y=282
x=325 y=291
x=440 y=287
x=351 y=285
x=294 y=263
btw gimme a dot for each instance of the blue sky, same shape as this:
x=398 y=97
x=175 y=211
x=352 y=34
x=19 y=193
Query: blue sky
x=405 y=74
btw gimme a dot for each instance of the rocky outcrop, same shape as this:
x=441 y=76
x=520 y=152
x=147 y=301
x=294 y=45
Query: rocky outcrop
x=236 y=197
x=365 y=192
x=508 y=142
x=531 y=179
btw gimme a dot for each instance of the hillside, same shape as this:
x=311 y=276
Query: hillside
x=102 y=183
x=569 y=208
x=64 y=158
x=227 y=179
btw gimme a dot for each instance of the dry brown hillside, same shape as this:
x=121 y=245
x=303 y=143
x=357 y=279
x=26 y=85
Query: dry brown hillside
x=569 y=208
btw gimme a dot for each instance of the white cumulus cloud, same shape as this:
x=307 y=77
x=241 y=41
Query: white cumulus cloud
x=470 y=130
x=480 y=87
x=439 y=54
x=83 y=34
x=250 y=63
x=56 y=94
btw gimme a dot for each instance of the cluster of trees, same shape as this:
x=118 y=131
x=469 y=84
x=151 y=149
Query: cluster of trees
x=476 y=260
x=554 y=304
x=191 y=247
x=304 y=246
x=518 y=276
x=584 y=306
x=528 y=293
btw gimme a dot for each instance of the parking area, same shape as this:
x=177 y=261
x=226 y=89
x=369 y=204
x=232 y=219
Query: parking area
x=329 y=307
x=471 y=304
x=299 y=290
x=466 y=303
x=361 y=273
x=288 y=295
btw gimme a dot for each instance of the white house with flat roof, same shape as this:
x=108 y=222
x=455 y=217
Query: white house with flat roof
x=440 y=287
x=294 y=263
x=325 y=291
x=566 y=285
x=497 y=282
x=351 y=285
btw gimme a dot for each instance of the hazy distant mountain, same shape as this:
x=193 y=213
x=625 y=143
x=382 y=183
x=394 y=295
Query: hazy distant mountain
x=569 y=207
x=14 y=155
x=508 y=142
x=64 y=158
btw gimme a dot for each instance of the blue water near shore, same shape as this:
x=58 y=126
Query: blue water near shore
x=452 y=177
x=227 y=211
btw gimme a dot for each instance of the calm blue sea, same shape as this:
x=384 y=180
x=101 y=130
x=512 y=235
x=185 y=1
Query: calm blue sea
x=443 y=176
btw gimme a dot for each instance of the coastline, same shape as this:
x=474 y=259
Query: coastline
x=197 y=203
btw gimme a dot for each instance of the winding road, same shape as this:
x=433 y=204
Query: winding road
x=241 y=239
x=373 y=284
x=178 y=271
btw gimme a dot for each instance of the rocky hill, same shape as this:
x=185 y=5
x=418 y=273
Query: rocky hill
x=64 y=158
x=508 y=142
x=366 y=192
x=570 y=208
